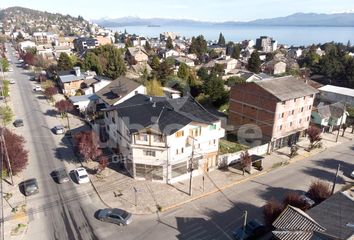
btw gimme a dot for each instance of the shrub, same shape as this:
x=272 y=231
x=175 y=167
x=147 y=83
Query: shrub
x=295 y=200
x=319 y=191
x=271 y=211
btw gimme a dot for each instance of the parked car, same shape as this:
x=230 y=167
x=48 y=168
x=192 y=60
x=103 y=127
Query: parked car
x=352 y=175
x=11 y=69
x=115 y=215
x=81 y=175
x=18 y=123
x=59 y=129
x=308 y=200
x=30 y=187
x=33 y=78
x=60 y=176
x=12 y=81
x=37 y=89
x=253 y=230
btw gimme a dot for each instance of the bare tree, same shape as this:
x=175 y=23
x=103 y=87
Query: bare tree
x=314 y=135
x=64 y=106
x=246 y=162
x=271 y=210
x=87 y=145
x=295 y=200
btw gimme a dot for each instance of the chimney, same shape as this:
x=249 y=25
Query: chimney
x=77 y=71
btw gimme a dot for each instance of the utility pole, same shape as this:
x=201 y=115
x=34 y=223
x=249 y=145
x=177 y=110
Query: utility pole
x=335 y=179
x=341 y=121
x=2 y=222
x=191 y=169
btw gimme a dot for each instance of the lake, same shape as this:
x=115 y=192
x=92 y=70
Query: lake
x=290 y=35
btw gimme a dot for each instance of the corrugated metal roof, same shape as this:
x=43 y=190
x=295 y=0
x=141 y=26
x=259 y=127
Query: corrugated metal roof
x=292 y=235
x=293 y=219
x=286 y=88
x=338 y=90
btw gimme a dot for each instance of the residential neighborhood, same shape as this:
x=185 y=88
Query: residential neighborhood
x=107 y=132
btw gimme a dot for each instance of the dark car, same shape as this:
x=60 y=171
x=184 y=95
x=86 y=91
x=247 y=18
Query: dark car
x=115 y=215
x=60 y=176
x=253 y=230
x=30 y=187
x=18 y=123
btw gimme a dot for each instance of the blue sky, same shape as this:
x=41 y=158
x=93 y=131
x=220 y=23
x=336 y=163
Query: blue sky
x=211 y=10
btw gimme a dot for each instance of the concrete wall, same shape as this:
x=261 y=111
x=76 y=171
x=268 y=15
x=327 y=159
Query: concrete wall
x=229 y=158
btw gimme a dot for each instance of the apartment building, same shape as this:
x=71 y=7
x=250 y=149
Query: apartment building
x=42 y=38
x=82 y=44
x=266 y=44
x=161 y=139
x=274 y=110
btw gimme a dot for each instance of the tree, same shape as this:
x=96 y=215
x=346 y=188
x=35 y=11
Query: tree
x=6 y=115
x=203 y=73
x=155 y=63
x=91 y=62
x=214 y=88
x=4 y=64
x=246 y=162
x=183 y=71
x=64 y=62
x=128 y=43
x=116 y=37
x=213 y=54
x=271 y=210
x=154 y=88
x=50 y=91
x=221 y=41
x=102 y=163
x=314 y=135
x=18 y=156
x=169 y=43
x=165 y=70
x=147 y=46
x=236 y=51
x=29 y=58
x=198 y=46
x=344 y=127
x=295 y=200
x=231 y=81
x=64 y=106
x=254 y=63
x=87 y=145
x=6 y=89
x=319 y=191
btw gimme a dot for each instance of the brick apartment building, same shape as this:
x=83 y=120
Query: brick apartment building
x=276 y=110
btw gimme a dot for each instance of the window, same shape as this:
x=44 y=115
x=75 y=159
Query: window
x=179 y=169
x=214 y=141
x=304 y=98
x=107 y=127
x=107 y=114
x=179 y=151
x=292 y=112
x=290 y=124
x=143 y=137
x=113 y=120
x=309 y=107
x=302 y=109
x=280 y=127
x=195 y=132
x=180 y=133
x=294 y=99
x=283 y=103
x=300 y=120
x=281 y=115
x=212 y=127
x=150 y=153
x=308 y=118
x=158 y=138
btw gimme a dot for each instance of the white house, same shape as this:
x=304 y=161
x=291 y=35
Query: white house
x=26 y=44
x=171 y=53
x=119 y=90
x=162 y=139
x=335 y=94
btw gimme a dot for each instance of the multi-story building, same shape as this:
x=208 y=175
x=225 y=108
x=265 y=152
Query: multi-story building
x=161 y=139
x=273 y=110
x=266 y=44
x=82 y=44
x=42 y=38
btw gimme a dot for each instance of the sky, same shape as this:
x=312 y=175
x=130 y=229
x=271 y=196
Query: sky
x=206 y=10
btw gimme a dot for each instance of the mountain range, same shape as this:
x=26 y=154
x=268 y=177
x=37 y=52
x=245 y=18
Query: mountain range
x=297 y=19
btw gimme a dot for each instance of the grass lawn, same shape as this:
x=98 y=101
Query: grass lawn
x=230 y=147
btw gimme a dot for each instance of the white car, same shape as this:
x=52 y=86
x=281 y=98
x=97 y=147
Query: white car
x=81 y=175
x=11 y=69
x=59 y=129
x=37 y=89
x=352 y=175
x=12 y=81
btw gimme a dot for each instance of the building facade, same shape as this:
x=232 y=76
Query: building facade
x=274 y=110
x=82 y=44
x=162 y=139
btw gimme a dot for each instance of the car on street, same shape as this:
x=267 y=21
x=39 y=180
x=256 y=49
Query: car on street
x=81 y=175
x=37 y=89
x=60 y=176
x=18 y=123
x=59 y=129
x=12 y=81
x=33 y=78
x=352 y=175
x=11 y=69
x=253 y=230
x=115 y=215
x=20 y=60
x=30 y=187
x=310 y=203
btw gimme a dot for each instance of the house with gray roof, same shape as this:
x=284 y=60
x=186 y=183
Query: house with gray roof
x=71 y=82
x=335 y=94
x=162 y=139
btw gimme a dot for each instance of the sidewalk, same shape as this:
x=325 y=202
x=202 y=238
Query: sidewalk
x=117 y=190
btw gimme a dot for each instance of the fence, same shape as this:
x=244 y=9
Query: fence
x=227 y=159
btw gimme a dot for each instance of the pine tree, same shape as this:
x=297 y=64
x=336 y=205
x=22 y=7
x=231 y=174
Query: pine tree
x=64 y=62
x=183 y=71
x=169 y=43
x=236 y=52
x=221 y=41
x=254 y=63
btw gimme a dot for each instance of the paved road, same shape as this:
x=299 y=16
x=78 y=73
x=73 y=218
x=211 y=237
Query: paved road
x=58 y=212
x=66 y=211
